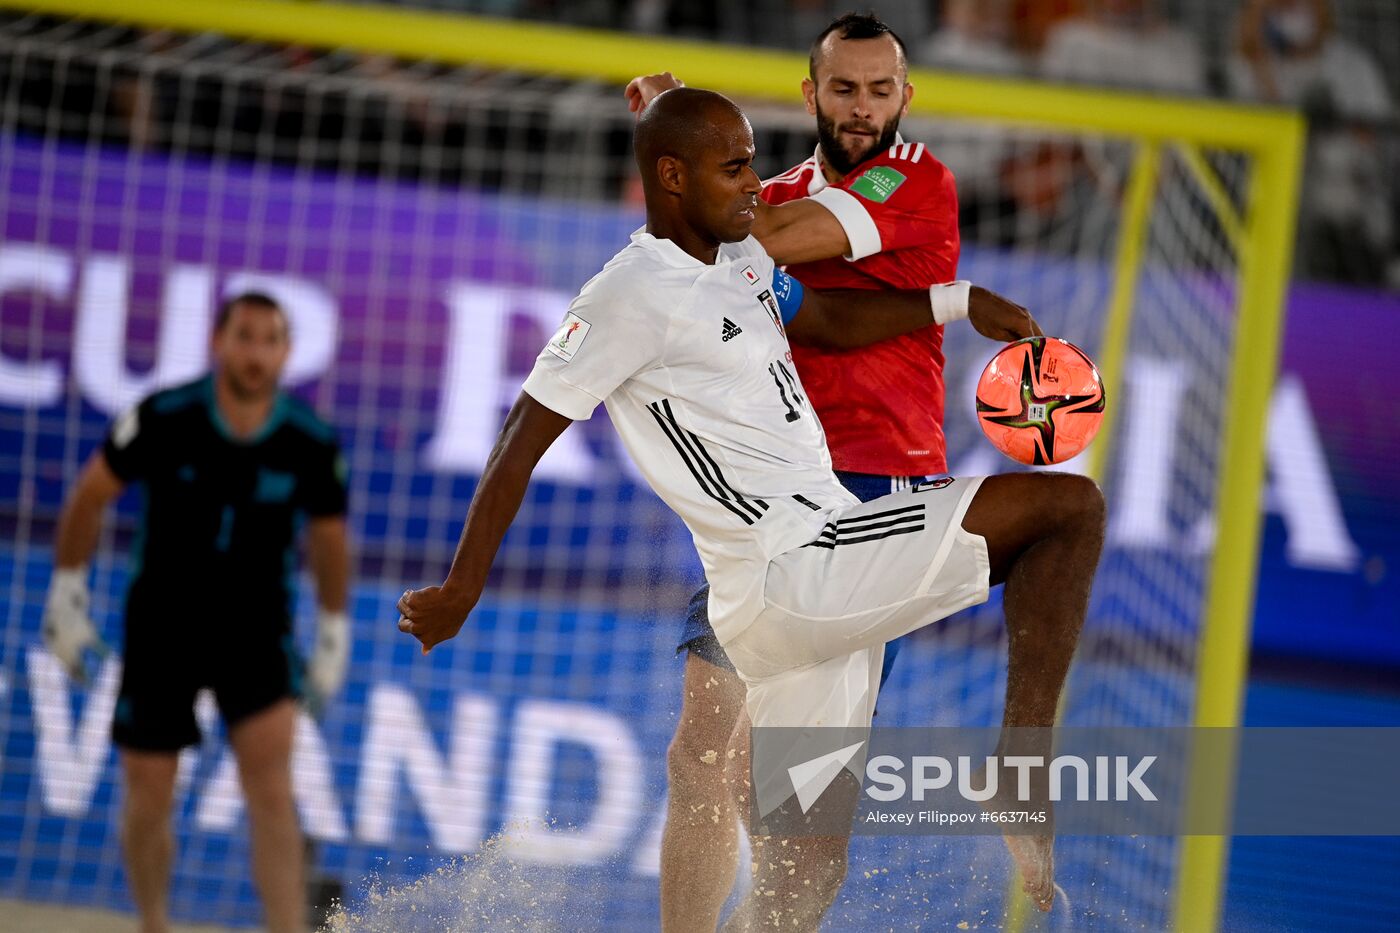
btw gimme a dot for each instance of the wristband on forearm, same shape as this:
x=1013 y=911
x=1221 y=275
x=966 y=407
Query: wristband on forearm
x=68 y=588
x=949 y=302
x=70 y=577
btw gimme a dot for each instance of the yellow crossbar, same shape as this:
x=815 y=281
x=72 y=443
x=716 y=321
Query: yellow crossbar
x=607 y=56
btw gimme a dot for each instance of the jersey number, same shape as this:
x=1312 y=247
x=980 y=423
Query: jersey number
x=787 y=389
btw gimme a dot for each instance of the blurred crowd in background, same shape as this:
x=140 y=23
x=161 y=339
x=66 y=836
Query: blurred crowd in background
x=1336 y=60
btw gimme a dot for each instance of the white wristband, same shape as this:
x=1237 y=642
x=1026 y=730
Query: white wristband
x=68 y=577
x=69 y=584
x=328 y=621
x=949 y=302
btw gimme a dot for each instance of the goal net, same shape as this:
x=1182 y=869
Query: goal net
x=425 y=224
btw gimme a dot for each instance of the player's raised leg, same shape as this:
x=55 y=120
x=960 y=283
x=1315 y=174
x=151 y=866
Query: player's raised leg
x=699 y=847
x=887 y=567
x=262 y=743
x=1044 y=534
x=146 y=836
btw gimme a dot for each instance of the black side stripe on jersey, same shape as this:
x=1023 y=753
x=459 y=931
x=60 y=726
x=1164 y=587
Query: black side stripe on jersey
x=842 y=530
x=873 y=520
x=915 y=510
x=714 y=472
x=829 y=545
x=871 y=527
x=703 y=467
x=685 y=456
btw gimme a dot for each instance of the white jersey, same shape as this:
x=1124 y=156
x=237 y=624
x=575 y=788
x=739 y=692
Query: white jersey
x=694 y=366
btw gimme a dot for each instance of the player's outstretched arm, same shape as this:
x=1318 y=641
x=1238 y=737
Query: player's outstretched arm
x=799 y=231
x=80 y=522
x=329 y=551
x=435 y=614
x=68 y=630
x=844 y=319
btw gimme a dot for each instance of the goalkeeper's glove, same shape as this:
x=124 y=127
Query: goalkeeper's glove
x=326 y=673
x=68 y=631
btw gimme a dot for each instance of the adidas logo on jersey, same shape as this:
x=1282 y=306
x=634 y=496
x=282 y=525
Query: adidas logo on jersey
x=730 y=331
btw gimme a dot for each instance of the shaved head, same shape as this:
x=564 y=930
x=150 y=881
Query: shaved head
x=681 y=123
x=694 y=149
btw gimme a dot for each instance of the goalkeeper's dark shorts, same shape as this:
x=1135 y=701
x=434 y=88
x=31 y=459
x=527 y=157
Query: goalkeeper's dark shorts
x=164 y=666
x=698 y=637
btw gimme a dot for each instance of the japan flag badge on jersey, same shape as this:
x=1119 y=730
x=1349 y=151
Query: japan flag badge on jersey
x=749 y=275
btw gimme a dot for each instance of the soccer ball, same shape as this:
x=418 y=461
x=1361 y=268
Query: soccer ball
x=1040 y=400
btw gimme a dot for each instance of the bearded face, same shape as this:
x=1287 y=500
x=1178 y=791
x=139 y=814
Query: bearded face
x=858 y=92
x=847 y=144
x=250 y=350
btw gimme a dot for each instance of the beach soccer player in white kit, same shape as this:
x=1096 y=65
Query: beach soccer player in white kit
x=807 y=583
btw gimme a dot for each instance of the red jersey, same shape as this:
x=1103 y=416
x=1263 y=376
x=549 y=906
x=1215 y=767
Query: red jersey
x=881 y=405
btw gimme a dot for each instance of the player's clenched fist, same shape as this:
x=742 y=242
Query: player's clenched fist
x=432 y=615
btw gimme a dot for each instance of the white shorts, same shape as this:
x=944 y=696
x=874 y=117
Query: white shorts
x=879 y=570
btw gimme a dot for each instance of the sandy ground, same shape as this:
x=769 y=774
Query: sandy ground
x=32 y=917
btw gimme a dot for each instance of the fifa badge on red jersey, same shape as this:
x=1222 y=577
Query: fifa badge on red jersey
x=770 y=304
x=569 y=337
x=877 y=184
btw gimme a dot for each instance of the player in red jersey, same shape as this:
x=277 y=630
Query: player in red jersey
x=882 y=406
x=867 y=210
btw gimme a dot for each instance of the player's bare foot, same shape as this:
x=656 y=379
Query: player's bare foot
x=1031 y=844
x=1035 y=860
